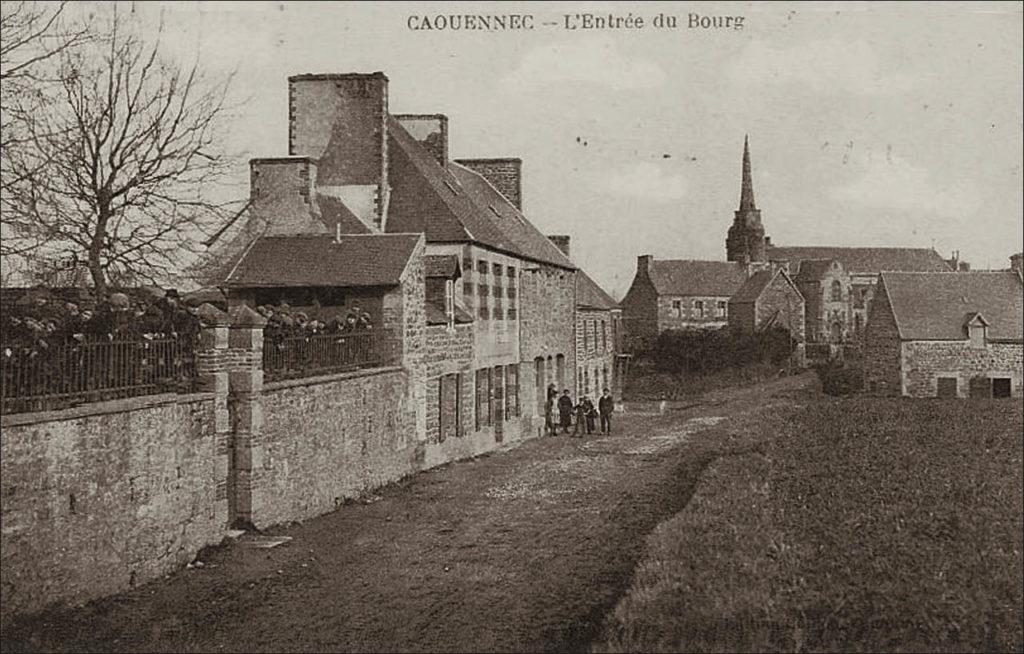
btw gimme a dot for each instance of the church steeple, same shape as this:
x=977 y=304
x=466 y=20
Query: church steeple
x=747 y=188
x=745 y=241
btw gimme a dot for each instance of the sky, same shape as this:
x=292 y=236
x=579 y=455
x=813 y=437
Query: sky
x=870 y=124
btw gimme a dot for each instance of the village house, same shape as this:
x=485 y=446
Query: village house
x=946 y=335
x=769 y=298
x=598 y=327
x=500 y=297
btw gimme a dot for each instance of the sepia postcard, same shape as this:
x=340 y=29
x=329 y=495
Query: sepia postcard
x=511 y=326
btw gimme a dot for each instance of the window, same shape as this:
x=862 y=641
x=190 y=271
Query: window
x=511 y=391
x=947 y=387
x=497 y=268
x=857 y=323
x=586 y=382
x=497 y=413
x=698 y=306
x=723 y=308
x=560 y=371
x=498 y=291
x=483 y=313
x=511 y=313
x=976 y=332
x=511 y=275
x=482 y=267
x=604 y=336
x=467 y=264
x=1001 y=387
x=449 y=301
x=837 y=291
x=677 y=308
x=483 y=290
x=511 y=292
x=586 y=341
x=497 y=313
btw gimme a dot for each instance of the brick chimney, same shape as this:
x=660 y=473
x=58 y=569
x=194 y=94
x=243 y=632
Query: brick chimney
x=430 y=130
x=282 y=192
x=644 y=262
x=340 y=121
x=503 y=174
x=561 y=242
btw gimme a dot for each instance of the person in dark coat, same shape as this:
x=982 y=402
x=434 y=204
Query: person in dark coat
x=591 y=414
x=565 y=411
x=581 y=419
x=605 y=406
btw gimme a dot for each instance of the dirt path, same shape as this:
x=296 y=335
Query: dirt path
x=523 y=550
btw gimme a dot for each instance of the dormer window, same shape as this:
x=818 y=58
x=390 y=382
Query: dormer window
x=977 y=329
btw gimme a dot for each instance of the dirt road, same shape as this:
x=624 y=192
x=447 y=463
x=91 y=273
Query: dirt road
x=522 y=550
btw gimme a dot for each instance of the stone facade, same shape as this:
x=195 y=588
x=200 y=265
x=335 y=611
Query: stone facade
x=595 y=352
x=640 y=312
x=923 y=363
x=780 y=303
x=882 y=355
x=692 y=312
x=103 y=497
x=828 y=305
x=449 y=351
x=547 y=333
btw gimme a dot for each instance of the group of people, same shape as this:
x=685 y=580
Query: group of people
x=580 y=416
x=283 y=321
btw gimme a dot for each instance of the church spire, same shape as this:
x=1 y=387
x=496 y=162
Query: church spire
x=747 y=189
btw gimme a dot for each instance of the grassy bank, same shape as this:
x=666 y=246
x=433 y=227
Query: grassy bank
x=866 y=525
x=651 y=385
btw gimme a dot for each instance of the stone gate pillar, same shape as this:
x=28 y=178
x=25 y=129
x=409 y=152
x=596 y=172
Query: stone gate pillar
x=245 y=383
x=212 y=370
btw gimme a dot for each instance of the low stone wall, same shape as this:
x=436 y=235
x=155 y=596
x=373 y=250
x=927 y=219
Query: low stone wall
x=327 y=439
x=99 y=498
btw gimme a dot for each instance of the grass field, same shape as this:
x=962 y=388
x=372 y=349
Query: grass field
x=862 y=525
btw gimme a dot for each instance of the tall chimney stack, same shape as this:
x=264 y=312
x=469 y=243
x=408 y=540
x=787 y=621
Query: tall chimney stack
x=561 y=242
x=504 y=174
x=340 y=121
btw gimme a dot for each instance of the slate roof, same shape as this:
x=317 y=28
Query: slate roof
x=709 y=278
x=441 y=265
x=316 y=260
x=333 y=211
x=934 y=306
x=436 y=316
x=812 y=270
x=591 y=296
x=753 y=287
x=865 y=260
x=455 y=204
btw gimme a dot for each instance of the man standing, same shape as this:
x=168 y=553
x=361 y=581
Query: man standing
x=565 y=411
x=605 y=406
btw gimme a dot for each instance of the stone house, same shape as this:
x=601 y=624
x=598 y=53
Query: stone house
x=598 y=328
x=769 y=298
x=678 y=294
x=946 y=335
x=826 y=289
x=355 y=168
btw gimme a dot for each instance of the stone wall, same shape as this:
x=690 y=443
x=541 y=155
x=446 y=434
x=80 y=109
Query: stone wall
x=640 y=311
x=882 y=348
x=923 y=362
x=100 y=498
x=595 y=352
x=547 y=334
x=783 y=303
x=326 y=439
x=448 y=352
x=716 y=312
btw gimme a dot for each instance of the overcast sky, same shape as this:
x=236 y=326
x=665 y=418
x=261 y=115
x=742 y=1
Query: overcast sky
x=882 y=124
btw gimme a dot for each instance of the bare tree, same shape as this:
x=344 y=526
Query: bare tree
x=130 y=158
x=33 y=37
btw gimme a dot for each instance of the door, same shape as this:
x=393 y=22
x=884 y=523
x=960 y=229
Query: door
x=1001 y=387
x=947 y=387
x=981 y=387
x=498 y=402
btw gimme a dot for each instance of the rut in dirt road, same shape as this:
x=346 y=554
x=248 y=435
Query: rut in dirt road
x=523 y=550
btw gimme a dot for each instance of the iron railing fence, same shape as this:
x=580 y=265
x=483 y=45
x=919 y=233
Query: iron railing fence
x=47 y=377
x=289 y=357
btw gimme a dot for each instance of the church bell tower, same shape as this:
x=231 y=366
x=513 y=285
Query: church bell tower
x=745 y=241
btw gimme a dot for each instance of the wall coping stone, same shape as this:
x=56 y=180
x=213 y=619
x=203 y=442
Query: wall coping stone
x=325 y=379
x=121 y=405
x=211 y=316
